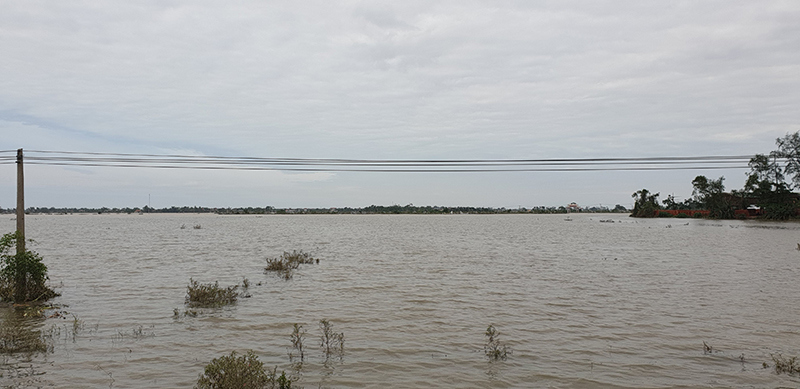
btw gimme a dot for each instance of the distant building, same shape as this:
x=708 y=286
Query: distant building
x=573 y=207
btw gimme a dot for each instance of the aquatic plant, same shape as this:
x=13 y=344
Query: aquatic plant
x=786 y=365
x=493 y=349
x=22 y=275
x=297 y=337
x=210 y=295
x=288 y=262
x=331 y=342
x=707 y=349
x=245 y=371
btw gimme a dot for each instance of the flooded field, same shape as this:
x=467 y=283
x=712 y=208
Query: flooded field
x=601 y=301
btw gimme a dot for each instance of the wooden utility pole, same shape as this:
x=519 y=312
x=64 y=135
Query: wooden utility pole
x=20 y=204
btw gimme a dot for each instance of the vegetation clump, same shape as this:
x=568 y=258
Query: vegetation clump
x=493 y=349
x=286 y=264
x=210 y=295
x=245 y=371
x=22 y=275
x=645 y=204
x=786 y=365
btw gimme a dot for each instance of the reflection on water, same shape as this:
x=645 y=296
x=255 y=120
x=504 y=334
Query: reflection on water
x=20 y=331
x=21 y=339
x=580 y=303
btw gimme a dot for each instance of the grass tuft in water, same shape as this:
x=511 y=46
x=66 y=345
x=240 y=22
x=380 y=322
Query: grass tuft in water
x=493 y=349
x=210 y=295
x=245 y=371
x=786 y=365
x=286 y=264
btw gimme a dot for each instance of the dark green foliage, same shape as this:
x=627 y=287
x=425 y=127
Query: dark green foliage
x=210 y=295
x=789 y=149
x=710 y=193
x=245 y=371
x=765 y=183
x=670 y=203
x=645 y=204
x=493 y=349
x=23 y=275
x=288 y=262
x=664 y=214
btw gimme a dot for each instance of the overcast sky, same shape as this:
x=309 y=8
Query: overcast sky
x=390 y=80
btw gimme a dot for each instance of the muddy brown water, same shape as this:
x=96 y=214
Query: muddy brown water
x=601 y=301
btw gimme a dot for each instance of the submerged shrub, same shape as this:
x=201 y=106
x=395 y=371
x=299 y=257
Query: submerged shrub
x=22 y=275
x=786 y=365
x=298 y=336
x=288 y=262
x=210 y=295
x=331 y=342
x=493 y=349
x=245 y=371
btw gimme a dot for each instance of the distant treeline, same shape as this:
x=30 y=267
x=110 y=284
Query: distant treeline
x=372 y=209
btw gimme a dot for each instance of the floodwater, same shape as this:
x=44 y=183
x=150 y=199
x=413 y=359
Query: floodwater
x=601 y=301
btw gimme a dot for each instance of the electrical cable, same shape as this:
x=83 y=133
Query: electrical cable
x=176 y=161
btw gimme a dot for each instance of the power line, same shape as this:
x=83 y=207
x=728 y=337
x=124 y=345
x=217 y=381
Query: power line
x=174 y=161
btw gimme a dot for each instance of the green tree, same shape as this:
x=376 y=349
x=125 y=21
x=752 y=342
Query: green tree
x=710 y=193
x=645 y=204
x=766 y=184
x=670 y=203
x=789 y=150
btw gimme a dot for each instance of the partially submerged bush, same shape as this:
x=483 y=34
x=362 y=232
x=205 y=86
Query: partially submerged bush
x=22 y=275
x=298 y=336
x=288 y=262
x=786 y=365
x=331 y=342
x=246 y=371
x=210 y=295
x=493 y=349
